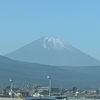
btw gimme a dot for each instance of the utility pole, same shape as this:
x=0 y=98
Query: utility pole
x=49 y=85
x=11 y=86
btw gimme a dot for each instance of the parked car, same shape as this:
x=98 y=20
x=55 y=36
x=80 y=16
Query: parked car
x=61 y=97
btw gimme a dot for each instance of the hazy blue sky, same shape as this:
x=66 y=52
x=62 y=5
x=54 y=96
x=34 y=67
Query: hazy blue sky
x=74 y=21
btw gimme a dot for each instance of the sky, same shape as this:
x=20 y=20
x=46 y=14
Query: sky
x=75 y=21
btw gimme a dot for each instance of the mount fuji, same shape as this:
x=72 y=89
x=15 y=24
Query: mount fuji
x=52 y=51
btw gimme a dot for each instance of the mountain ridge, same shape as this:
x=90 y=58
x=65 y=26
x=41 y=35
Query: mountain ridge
x=52 y=51
x=33 y=73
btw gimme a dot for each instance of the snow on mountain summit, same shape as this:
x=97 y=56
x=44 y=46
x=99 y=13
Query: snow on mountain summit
x=52 y=51
x=54 y=43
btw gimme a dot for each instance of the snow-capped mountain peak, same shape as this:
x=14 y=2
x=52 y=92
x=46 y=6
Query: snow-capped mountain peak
x=53 y=43
x=52 y=51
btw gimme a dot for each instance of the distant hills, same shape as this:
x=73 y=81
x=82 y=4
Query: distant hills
x=66 y=65
x=52 y=51
x=34 y=73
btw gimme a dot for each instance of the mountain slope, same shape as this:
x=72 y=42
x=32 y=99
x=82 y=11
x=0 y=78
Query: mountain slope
x=52 y=51
x=33 y=73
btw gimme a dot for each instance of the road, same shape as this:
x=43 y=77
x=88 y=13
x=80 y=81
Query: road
x=59 y=99
x=11 y=98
